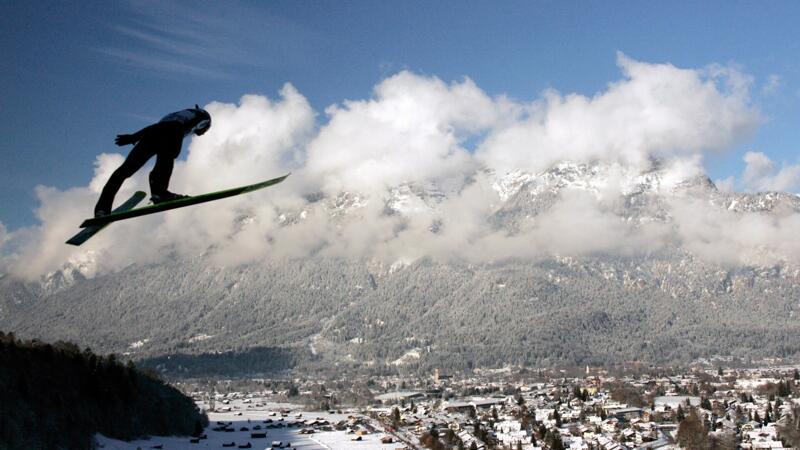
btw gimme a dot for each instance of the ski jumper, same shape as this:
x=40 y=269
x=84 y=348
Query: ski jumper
x=162 y=140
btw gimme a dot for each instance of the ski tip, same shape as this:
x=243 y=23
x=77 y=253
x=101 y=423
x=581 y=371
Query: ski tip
x=279 y=179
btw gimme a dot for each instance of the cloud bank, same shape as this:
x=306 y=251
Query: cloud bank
x=412 y=172
x=655 y=111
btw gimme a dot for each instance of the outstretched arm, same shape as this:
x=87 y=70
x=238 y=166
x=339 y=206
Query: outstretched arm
x=125 y=139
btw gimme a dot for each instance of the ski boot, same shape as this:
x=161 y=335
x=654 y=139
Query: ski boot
x=166 y=197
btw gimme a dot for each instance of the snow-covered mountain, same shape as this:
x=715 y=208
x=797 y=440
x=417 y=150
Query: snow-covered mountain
x=644 y=191
x=670 y=305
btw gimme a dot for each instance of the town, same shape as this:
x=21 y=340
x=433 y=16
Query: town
x=701 y=408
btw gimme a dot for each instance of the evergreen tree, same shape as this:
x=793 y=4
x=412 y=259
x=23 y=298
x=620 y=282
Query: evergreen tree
x=790 y=430
x=553 y=440
x=576 y=392
x=691 y=433
x=785 y=389
x=679 y=414
x=450 y=436
x=56 y=396
x=396 y=419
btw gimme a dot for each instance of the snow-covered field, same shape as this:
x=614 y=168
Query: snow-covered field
x=336 y=440
x=248 y=415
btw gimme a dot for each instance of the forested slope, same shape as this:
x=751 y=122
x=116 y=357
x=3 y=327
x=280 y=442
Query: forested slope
x=330 y=314
x=57 y=396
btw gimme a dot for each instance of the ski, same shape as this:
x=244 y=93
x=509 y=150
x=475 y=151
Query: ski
x=178 y=203
x=90 y=231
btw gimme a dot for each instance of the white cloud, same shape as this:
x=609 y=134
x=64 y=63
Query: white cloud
x=726 y=184
x=656 y=111
x=414 y=129
x=42 y=248
x=104 y=166
x=726 y=237
x=758 y=167
x=760 y=174
x=248 y=142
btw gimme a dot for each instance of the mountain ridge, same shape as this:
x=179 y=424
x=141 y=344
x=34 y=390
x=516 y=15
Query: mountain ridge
x=661 y=306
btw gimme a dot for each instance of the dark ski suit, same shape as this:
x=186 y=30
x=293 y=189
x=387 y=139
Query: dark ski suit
x=162 y=140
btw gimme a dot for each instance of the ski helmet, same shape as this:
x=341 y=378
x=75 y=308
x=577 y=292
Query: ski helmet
x=203 y=121
x=194 y=120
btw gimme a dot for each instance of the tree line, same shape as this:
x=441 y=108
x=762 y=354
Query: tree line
x=59 y=396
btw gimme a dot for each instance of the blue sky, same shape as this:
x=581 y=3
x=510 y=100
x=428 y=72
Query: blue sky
x=74 y=74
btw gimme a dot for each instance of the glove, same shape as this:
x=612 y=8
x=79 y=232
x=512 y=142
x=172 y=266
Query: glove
x=125 y=139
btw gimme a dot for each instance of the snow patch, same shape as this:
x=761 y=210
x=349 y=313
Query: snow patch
x=138 y=344
x=408 y=357
x=200 y=338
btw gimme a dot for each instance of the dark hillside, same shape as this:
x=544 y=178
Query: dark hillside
x=56 y=396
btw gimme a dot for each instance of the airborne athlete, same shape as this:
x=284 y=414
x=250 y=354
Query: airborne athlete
x=162 y=140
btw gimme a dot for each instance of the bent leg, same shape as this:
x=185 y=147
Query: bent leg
x=135 y=160
x=159 y=177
